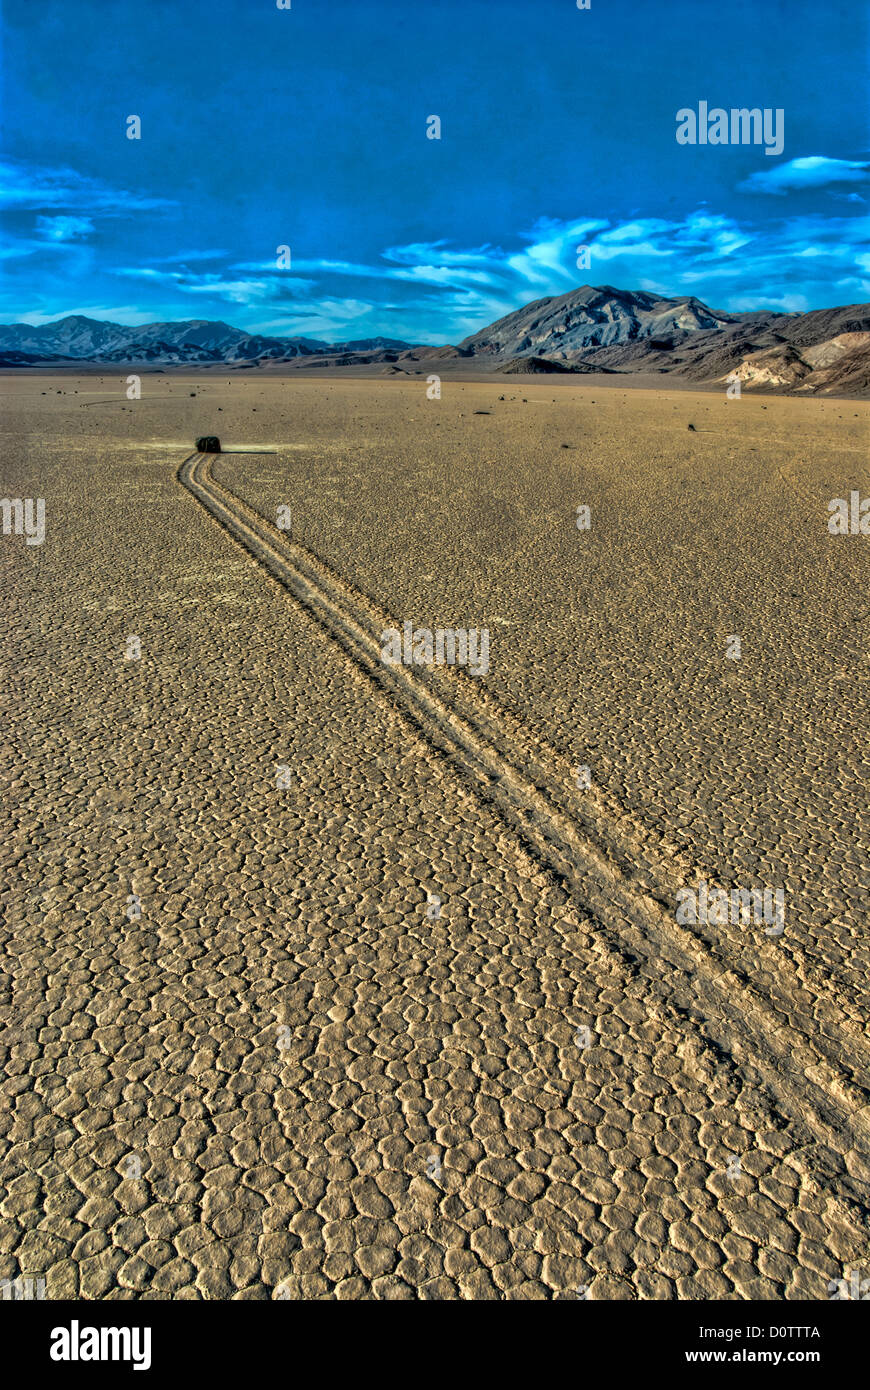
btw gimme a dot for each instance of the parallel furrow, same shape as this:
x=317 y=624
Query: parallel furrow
x=802 y=1074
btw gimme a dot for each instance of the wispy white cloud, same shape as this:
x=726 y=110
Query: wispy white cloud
x=810 y=171
x=373 y=272
x=32 y=186
x=435 y=266
x=214 y=285
x=17 y=248
x=332 y=319
x=548 y=264
x=183 y=258
x=64 y=227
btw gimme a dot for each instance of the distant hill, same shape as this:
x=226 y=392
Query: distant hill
x=191 y=341
x=588 y=330
x=629 y=331
x=588 y=318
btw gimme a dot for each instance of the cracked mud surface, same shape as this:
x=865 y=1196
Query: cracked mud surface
x=285 y=1078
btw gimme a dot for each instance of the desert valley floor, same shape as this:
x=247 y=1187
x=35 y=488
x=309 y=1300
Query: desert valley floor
x=322 y=978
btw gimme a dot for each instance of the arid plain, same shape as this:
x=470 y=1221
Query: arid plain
x=323 y=978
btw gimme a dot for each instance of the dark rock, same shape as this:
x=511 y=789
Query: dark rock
x=208 y=444
x=541 y=364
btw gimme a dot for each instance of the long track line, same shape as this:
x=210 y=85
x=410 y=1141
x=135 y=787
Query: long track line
x=806 y=1075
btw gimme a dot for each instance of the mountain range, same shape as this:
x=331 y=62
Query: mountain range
x=191 y=341
x=589 y=329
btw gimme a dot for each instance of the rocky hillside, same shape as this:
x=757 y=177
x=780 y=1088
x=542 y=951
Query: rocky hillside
x=619 y=330
x=571 y=324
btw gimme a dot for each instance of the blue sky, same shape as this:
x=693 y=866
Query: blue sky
x=307 y=128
